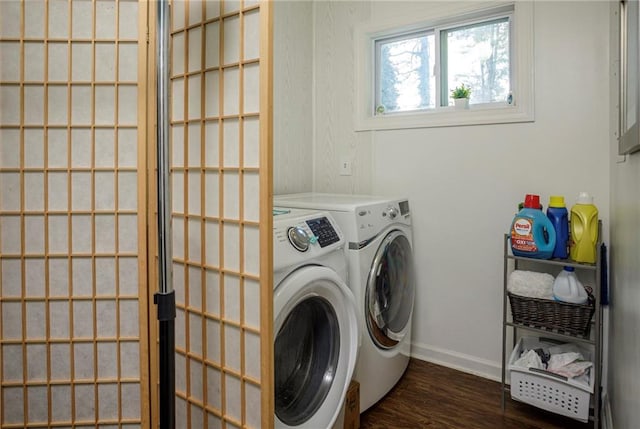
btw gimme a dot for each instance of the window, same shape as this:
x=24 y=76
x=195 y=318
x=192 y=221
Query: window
x=478 y=56
x=404 y=79
x=412 y=69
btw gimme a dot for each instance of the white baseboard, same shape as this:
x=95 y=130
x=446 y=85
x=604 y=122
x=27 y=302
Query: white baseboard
x=459 y=361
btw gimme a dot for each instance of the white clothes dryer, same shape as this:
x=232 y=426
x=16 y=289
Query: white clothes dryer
x=381 y=275
x=315 y=322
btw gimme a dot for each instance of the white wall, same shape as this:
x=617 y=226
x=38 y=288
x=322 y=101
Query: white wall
x=624 y=349
x=464 y=183
x=293 y=96
x=334 y=139
x=625 y=292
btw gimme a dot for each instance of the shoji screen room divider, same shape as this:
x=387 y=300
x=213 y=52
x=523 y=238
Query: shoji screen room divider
x=220 y=184
x=78 y=341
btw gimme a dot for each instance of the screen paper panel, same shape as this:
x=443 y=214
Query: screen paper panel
x=70 y=232
x=215 y=217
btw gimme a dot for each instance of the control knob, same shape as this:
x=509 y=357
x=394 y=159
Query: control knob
x=392 y=212
x=299 y=238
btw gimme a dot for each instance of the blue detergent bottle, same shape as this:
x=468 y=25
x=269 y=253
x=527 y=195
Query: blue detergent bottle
x=559 y=217
x=532 y=233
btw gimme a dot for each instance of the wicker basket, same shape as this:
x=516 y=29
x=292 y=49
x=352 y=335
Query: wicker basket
x=555 y=316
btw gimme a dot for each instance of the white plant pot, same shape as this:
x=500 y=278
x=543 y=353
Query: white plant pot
x=461 y=103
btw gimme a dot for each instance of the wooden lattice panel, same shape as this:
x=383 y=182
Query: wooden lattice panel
x=215 y=147
x=73 y=302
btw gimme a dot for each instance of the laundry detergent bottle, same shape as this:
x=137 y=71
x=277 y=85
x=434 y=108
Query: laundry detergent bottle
x=584 y=229
x=559 y=217
x=532 y=233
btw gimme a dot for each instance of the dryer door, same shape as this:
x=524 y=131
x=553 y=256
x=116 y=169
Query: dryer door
x=390 y=291
x=316 y=338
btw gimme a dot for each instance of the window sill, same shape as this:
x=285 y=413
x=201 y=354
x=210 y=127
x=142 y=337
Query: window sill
x=447 y=117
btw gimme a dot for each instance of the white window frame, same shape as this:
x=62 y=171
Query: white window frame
x=448 y=16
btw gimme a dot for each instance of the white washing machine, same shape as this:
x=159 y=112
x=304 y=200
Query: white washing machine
x=381 y=276
x=315 y=323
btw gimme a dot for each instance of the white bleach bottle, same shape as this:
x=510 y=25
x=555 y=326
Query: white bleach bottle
x=568 y=288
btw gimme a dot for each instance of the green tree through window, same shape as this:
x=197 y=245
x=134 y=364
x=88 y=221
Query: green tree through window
x=475 y=54
x=405 y=81
x=478 y=56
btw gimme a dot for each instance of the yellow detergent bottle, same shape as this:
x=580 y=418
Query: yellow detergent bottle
x=584 y=229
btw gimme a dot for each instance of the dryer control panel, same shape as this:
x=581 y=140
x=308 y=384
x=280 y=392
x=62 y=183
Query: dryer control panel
x=372 y=218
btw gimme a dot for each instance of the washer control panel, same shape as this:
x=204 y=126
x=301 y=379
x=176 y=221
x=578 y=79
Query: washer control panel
x=302 y=235
x=323 y=229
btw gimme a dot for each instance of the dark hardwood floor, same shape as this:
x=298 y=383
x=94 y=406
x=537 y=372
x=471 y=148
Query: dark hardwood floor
x=433 y=397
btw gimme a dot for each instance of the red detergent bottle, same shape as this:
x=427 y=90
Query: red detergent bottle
x=532 y=233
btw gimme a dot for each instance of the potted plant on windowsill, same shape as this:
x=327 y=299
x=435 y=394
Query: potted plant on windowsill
x=460 y=95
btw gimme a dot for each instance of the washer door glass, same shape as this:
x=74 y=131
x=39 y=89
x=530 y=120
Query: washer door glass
x=390 y=291
x=306 y=356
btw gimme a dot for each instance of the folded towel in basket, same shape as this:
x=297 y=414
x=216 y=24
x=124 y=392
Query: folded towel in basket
x=531 y=284
x=569 y=364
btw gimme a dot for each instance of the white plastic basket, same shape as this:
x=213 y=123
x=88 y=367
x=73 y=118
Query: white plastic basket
x=547 y=390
